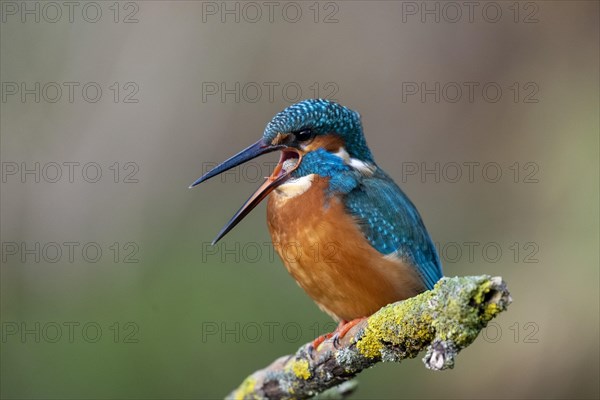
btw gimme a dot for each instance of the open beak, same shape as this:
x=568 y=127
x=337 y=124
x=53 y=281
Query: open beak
x=288 y=161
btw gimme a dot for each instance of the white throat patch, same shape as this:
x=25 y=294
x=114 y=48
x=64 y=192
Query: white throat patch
x=295 y=187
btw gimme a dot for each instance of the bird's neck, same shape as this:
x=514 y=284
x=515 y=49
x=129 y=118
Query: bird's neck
x=343 y=173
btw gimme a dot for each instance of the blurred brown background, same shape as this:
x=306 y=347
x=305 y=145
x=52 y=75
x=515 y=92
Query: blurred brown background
x=486 y=114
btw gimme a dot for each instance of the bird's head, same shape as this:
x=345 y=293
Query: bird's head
x=314 y=136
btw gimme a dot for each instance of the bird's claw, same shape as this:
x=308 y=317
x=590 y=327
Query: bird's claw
x=343 y=329
x=310 y=349
x=336 y=341
x=336 y=335
x=314 y=345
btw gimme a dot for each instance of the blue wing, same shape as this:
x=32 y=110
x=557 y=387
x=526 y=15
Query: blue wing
x=392 y=224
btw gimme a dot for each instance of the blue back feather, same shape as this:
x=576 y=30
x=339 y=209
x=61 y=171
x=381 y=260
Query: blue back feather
x=392 y=224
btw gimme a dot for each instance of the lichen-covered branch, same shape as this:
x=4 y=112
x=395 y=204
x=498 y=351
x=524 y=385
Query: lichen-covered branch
x=442 y=321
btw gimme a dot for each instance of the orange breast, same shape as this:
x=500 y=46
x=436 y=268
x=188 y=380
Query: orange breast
x=326 y=253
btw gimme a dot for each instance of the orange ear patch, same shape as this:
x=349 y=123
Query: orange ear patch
x=329 y=142
x=280 y=138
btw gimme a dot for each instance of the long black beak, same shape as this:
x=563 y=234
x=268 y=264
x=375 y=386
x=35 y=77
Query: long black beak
x=278 y=177
x=249 y=153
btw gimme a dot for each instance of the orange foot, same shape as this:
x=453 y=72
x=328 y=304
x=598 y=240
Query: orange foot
x=343 y=328
x=339 y=332
x=317 y=342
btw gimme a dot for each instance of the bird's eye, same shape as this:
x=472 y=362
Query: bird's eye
x=303 y=135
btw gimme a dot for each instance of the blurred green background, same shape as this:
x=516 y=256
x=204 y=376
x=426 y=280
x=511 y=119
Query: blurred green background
x=160 y=314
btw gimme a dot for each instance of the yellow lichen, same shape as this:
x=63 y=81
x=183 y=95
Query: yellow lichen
x=423 y=330
x=483 y=289
x=490 y=311
x=246 y=389
x=381 y=326
x=300 y=368
x=370 y=344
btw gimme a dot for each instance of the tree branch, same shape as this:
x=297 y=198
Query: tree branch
x=442 y=321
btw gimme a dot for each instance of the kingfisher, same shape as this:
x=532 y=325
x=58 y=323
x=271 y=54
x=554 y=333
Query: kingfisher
x=359 y=242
